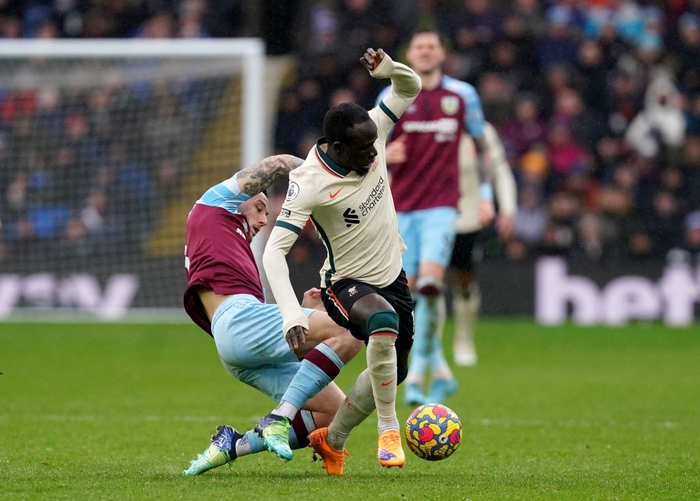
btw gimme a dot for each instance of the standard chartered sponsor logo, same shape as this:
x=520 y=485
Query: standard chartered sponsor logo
x=374 y=197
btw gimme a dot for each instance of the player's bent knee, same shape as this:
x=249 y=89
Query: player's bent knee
x=383 y=321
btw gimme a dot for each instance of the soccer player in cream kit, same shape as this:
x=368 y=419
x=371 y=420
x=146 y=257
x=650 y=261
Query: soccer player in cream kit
x=343 y=187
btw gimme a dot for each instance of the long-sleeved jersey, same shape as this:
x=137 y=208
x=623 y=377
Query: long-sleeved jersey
x=503 y=181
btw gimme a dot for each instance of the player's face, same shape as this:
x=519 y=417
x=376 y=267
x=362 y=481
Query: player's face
x=255 y=210
x=359 y=153
x=425 y=53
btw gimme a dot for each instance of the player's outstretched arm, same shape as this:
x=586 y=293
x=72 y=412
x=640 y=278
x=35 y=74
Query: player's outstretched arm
x=404 y=81
x=258 y=177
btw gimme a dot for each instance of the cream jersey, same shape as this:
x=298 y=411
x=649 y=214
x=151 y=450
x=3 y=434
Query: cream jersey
x=502 y=175
x=353 y=215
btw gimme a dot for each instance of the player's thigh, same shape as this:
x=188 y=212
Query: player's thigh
x=410 y=233
x=249 y=334
x=323 y=329
x=437 y=235
x=271 y=380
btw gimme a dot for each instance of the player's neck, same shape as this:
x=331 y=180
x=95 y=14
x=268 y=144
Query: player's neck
x=431 y=80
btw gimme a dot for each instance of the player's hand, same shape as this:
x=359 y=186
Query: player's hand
x=486 y=212
x=312 y=299
x=295 y=337
x=396 y=150
x=372 y=58
x=504 y=226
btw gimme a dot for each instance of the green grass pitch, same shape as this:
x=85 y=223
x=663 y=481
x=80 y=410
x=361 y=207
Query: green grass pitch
x=116 y=411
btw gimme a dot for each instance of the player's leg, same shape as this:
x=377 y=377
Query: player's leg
x=325 y=351
x=228 y=444
x=369 y=315
x=437 y=237
x=380 y=322
x=410 y=228
x=466 y=301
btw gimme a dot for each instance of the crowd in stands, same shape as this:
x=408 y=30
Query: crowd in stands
x=597 y=103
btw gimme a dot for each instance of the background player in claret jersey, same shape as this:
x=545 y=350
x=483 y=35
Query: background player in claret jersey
x=224 y=296
x=466 y=297
x=343 y=187
x=425 y=183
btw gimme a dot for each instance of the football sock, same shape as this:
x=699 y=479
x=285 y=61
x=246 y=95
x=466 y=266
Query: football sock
x=357 y=406
x=381 y=364
x=320 y=366
x=302 y=425
x=422 y=339
x=466 y=306
x=249 y=443
x=438 y=364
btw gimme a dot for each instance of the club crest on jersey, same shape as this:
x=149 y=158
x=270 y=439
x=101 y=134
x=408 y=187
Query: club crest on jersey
x=449 y=104
x=292 y=191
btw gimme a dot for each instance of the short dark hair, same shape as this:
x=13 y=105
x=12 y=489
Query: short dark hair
x=430 y=31
x=340 y=119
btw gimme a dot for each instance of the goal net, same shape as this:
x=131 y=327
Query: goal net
x=104 y=147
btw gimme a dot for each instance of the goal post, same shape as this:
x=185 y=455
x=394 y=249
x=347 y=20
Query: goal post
x=104 y=146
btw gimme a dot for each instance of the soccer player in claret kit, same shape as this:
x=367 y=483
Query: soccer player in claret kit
x=224 y=296
x=343 y=188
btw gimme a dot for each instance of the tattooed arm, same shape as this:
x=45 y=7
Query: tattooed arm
x=258 y=177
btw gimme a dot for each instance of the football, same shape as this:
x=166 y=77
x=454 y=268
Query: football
x=433 y=432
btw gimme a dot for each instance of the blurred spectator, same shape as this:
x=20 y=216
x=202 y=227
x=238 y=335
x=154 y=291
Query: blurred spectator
x=531 y=217
x=496 y=98
x=659 y=128
x=591 y=75
x=525 y=128
x=690 y=164
x=687 y=251
x=687 y=51
x=558 y=45
x=558 y=237
x=664 y=223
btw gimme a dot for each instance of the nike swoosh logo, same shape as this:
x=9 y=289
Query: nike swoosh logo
x=333 y=195
x=388 y=382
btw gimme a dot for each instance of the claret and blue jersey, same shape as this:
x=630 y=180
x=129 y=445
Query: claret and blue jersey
x=432 y=126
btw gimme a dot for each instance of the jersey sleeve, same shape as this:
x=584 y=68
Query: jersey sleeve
x=227 y=195
x=503 y=179
x=300 y=199
x=394 y=101
x=474 y=122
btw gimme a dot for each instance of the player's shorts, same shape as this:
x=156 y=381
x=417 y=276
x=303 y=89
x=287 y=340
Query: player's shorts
x=249 y=339
x=429 y=237
x=341 y=296
x=463 y=252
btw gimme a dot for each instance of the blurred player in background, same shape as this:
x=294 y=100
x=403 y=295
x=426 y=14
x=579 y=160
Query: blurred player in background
x=225 y=297
x=343 y=187
x=425 y=183
x=466 y=298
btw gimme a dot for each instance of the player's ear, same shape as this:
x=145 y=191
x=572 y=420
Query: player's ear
x=338 y=147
